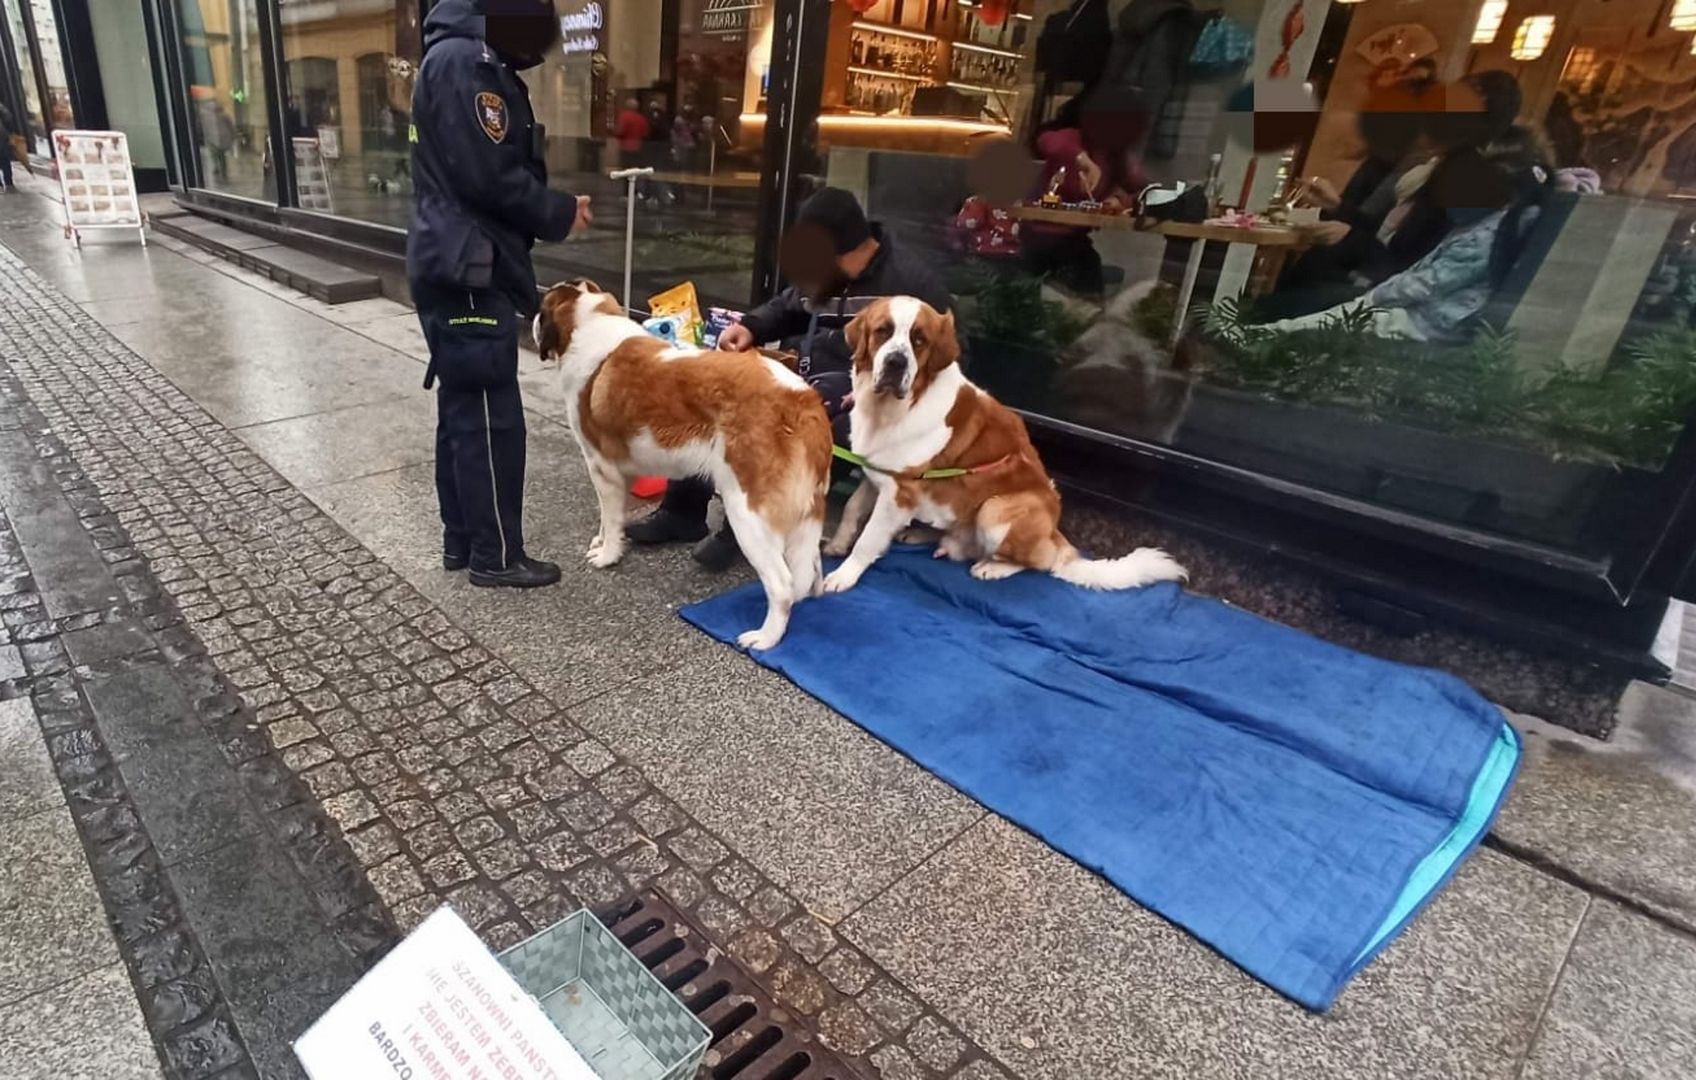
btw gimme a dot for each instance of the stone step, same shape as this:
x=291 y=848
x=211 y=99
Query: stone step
x=321 y=278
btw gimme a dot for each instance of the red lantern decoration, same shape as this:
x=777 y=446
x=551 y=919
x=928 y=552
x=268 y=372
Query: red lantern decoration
x=993 y=12
x=862 y=6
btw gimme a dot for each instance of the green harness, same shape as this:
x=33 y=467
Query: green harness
x=852 y=458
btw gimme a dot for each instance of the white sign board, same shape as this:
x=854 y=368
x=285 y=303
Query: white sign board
x=439 y=1007
x=97 y=182
x=311 y=177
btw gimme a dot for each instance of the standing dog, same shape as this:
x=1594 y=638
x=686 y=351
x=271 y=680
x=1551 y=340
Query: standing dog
x=641 y=407
x=915 y=413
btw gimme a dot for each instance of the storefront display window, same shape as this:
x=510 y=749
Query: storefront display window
x=34 y=120
x=1406 y=294
x=664 y=84
x=223 y=60
x=59 y=111
x=349 y=67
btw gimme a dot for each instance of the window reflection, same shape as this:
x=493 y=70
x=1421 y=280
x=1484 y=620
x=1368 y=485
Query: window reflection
x=348 y=70
x=630 y=88
x=223 y=62
x=1408 y=264
x=33 y=122
x=59 y=111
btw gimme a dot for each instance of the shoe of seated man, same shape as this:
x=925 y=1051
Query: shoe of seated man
x=718 y=552
x=521 y=573
x=666 y=527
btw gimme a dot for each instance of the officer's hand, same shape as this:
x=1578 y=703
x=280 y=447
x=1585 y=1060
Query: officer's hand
x=736 y=338
x=585 y=217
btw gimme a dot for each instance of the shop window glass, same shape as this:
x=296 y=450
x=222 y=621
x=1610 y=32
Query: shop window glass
x=1468 y=286
x=224 y=63
x=678 y=85
x=59 y=111
x=349 y=67
x=34 y=120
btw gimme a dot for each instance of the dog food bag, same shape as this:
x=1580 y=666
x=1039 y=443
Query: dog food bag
x=668 y=328
x=682 y=302
x=718 y=321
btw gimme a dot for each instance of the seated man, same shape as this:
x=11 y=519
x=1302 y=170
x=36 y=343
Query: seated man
x=840 y=263
x=1437 y=298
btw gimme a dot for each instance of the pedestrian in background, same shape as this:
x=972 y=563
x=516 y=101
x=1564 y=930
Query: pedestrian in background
x=482 y=202
x=8 y=126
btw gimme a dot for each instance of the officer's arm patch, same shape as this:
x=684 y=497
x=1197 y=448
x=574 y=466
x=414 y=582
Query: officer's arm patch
x=491 y=113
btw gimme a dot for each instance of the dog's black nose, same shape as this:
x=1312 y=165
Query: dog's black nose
x=896 y=362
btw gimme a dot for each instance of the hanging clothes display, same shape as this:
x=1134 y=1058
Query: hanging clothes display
x=1150 y=59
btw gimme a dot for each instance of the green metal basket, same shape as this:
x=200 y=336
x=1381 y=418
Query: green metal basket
x=606 y=1003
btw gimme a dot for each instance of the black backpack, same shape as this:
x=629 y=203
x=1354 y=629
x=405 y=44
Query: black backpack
x=1074 y=43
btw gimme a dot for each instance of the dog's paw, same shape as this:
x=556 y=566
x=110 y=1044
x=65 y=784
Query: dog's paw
x=595 y=544
x=758 y=640
x=994 y=570
x=837 y=547
x=604 y=555
x=841 y=579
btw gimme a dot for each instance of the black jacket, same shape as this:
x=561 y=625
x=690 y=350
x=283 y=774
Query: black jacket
x=477 y=169
x=787 y=316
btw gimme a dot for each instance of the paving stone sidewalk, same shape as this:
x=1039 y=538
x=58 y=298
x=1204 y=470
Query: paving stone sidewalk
x=328 y=680
x=396 y=760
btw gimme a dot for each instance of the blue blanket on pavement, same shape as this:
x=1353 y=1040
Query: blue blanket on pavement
x=1289 y=802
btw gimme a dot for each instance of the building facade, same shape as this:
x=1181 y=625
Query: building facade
x=1500 y=436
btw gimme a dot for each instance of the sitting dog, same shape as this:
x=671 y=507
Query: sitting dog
x=938 y=449
x=642 y=407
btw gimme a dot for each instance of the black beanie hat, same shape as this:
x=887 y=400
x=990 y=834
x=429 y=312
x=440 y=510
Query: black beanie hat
x=838 y=213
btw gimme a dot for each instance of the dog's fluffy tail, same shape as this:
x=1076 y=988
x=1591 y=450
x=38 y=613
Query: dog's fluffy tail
x=1144 y=566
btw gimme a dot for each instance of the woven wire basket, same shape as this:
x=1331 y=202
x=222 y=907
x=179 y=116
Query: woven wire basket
x=607 y=1003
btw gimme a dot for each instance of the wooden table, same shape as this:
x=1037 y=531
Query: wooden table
x=723 y=180
x=1275 y=241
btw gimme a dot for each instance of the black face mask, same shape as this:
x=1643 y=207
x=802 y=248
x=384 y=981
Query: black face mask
x=524 y=32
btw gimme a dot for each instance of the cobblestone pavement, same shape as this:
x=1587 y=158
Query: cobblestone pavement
x=330 y=682
x=345 y=708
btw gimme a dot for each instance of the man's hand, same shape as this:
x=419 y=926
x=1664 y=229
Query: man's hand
x=585 y=217
x=736 y=338
x=1324 y=233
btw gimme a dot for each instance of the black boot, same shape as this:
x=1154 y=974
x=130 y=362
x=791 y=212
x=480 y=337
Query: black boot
x=681 y=517
x=522 y=573
x=718 y=552
x=665 y=526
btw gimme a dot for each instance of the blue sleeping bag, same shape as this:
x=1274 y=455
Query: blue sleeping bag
x=1289 y=802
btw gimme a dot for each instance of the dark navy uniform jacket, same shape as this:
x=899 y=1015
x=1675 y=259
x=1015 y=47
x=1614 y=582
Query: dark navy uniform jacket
x=477 y=168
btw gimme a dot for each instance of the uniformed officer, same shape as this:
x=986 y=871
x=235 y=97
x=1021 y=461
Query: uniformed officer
x=482 y=201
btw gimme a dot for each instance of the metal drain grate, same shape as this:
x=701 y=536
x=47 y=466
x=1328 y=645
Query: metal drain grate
x=753 y=1037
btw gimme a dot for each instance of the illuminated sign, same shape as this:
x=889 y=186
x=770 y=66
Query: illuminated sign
x=727 y=18
x=581 y=30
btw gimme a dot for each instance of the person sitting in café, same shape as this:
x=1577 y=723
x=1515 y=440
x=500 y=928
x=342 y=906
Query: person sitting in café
x=1090 y=153
x=1493 y=202
x=1353 y=220
x=1480 y=158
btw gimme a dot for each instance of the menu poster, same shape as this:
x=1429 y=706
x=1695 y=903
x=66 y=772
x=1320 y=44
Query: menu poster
x=97 y=182
x=311 y=177
x=438 y=1007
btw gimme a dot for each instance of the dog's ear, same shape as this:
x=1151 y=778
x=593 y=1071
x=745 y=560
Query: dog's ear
x=859 y=333
x=944 y=344
x=550 y=339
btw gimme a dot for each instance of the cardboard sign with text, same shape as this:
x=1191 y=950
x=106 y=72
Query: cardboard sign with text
x=439 y=1007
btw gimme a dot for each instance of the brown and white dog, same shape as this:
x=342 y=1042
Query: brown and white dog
x=915 y=411
x=641 y=407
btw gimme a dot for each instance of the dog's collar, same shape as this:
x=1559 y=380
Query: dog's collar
x=929 y=474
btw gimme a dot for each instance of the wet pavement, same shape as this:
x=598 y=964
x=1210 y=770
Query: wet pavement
x=284 y=735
